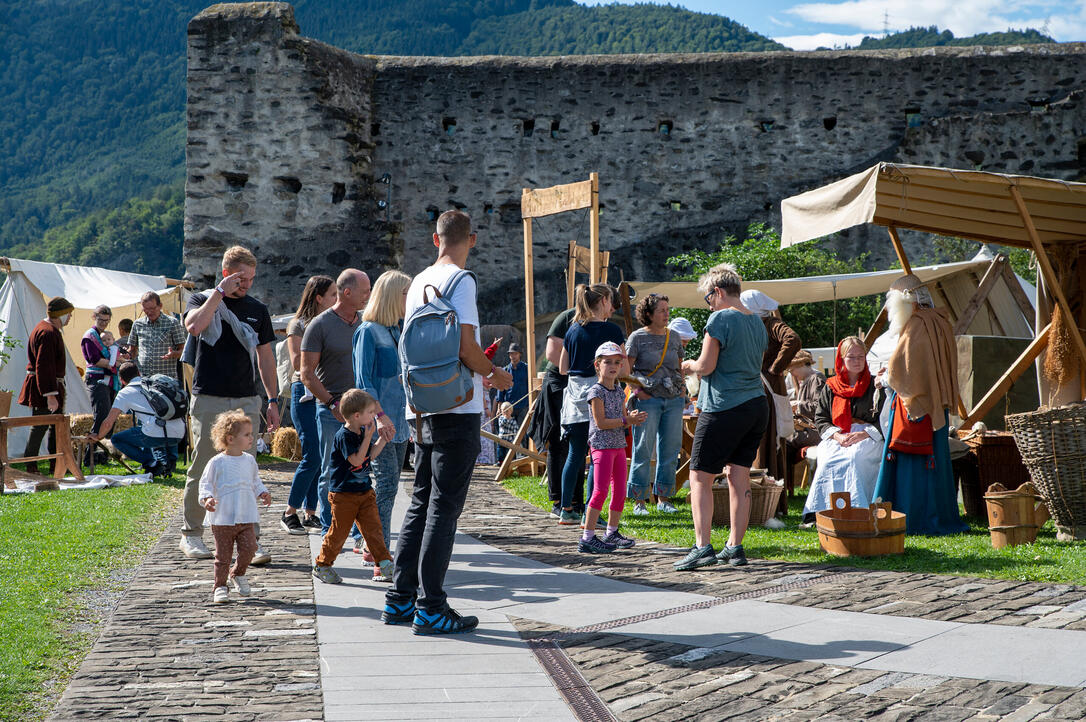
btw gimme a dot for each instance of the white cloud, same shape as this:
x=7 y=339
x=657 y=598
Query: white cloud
x=820 y=40
x=779 y=23
x=1066 y=21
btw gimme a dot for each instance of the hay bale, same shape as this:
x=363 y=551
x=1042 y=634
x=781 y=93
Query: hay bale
x=285 y=444
x=81 y=424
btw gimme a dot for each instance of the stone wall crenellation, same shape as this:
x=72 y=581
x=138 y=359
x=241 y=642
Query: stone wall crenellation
x=688 y=147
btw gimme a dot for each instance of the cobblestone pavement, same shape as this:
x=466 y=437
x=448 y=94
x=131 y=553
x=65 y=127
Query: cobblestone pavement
x=168 y=653
x=649 y=679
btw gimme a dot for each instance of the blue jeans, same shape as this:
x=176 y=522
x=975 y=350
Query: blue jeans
x=303 y=488
x=445 y=454
x=386 y=478
x=660 y=432
x=144 y=449
x=573 y=471
x=327 y=426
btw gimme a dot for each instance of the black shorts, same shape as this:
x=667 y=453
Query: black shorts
x=729 y=437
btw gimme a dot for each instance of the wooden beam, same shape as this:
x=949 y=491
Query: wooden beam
x=899 y=249
x=1019 y=296
x=987 y=283
x=1051 y=281
x=503 y=470
x=594 y=228
x=624 y=300
x=529 y=298
x=1008 y=378
x=605 y=263
x=571 y=274
x=537 y=202
x=876 y=327
x=509 y=445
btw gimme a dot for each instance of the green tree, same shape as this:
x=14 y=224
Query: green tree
x=759 y=257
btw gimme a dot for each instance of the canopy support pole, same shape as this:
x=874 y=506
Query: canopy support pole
x=1019 y=296
x=1049 y=274
x=899 y=249
x=1008 y=378
x=987 y=283
x=529 y=302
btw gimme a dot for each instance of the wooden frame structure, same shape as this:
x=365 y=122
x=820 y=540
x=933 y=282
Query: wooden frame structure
x=538 y=203
x=64 y=456
x=1037 y=214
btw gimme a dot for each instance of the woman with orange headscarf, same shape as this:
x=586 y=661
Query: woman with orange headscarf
x=848 y=421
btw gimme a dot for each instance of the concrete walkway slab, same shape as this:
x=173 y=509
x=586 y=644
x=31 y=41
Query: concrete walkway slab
x=990 y=651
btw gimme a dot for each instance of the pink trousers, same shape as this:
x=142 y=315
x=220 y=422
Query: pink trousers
x=609 y=469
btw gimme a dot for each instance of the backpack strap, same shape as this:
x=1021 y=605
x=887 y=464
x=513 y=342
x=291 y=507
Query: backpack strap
x=454 y=281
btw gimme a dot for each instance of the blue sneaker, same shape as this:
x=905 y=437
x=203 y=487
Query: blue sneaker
x=447 y=622
x=401 y=613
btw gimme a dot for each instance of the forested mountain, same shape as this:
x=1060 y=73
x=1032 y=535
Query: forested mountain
x=93 y=97
x=930 y=37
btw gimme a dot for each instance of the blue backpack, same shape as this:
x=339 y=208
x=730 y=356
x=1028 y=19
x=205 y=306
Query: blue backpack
x=434 y=378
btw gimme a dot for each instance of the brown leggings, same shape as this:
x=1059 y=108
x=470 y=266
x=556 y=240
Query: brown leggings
x=347 y=509
x=244 y=535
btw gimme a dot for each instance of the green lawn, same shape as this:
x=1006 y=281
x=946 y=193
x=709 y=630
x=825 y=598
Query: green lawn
x=61 y=561
x=968 y=554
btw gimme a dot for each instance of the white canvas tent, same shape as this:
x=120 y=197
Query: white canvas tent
x=29 y=286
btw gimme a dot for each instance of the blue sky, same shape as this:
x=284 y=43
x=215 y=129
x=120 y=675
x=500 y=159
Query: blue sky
x=807 y=24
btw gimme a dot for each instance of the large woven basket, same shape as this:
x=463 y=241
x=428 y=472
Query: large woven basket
x=1053 y=446
x=763 y=503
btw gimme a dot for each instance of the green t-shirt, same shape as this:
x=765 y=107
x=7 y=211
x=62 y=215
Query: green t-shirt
x=737 y=377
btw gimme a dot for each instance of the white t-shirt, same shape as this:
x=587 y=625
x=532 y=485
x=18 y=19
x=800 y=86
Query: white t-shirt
x=235 y=483
x=463 y=300
x=131 y=399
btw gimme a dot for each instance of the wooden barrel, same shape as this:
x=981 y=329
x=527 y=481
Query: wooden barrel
x=848 y=531
x=1014 y=515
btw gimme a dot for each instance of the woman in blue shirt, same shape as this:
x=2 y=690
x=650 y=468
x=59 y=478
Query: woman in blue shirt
x=734 y=414
x=377 y=372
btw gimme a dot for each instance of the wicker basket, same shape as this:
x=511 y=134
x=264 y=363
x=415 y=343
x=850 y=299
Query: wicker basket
x=763 y=502
x=1053 y=446
x=993 y=459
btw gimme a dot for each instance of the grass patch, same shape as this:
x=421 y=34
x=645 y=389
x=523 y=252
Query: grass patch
x=968 y=554
x=62 y=555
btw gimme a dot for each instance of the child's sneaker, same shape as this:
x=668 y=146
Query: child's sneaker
x=568 y=518
x=666 y=507
x=696 y=557
x=640 y=510
x=312 y=524
x=556 y=510
x=383 y=571
x=401 y=613
x=733 y=555
x=367 y=558
x=242 y=585
x=328 y=575
x=221 y=595
x=618 y=540
x=595 y=545
x=447 y=622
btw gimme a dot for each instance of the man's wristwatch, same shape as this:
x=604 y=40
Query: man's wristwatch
x=273 y=401
x=333 y=404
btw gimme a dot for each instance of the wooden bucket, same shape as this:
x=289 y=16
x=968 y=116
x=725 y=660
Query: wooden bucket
x=1014 y=515
x=848 y=531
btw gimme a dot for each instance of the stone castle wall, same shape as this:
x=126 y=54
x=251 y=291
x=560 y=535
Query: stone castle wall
x=688 y=147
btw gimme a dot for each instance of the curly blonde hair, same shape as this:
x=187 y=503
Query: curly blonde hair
x=227 y=424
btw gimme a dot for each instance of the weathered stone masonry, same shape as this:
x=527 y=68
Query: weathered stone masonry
x=289 y=140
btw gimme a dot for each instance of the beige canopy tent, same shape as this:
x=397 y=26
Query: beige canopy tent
x=1007 y=310
x=1046 y=216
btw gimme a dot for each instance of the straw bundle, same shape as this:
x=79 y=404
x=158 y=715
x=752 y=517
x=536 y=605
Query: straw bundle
x=285 y=444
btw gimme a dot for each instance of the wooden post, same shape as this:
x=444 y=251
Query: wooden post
x=876 y=327
x=1019 y=296
x=529 y=299
x=899 y=249
x=1008 y=378
x=987 y=283
x=571 y=274
x=1049 y=273
x=594 y=231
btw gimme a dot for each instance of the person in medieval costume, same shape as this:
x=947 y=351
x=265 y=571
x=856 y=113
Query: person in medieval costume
x=922 y=375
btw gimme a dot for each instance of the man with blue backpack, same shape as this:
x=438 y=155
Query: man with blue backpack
x=442 y=365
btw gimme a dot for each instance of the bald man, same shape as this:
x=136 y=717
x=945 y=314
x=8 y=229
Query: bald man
x=327 y=369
